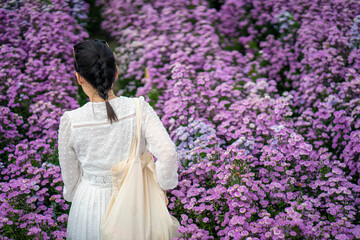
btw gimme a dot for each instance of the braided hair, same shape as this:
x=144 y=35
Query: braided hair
x=94 y=61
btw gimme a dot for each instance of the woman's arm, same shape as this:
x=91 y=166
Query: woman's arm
x=69 y=164
x=161 y=146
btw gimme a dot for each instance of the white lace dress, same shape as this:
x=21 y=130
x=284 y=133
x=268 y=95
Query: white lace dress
x=89 y=146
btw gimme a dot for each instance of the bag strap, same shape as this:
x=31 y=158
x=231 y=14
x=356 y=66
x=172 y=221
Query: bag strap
x=135 y=145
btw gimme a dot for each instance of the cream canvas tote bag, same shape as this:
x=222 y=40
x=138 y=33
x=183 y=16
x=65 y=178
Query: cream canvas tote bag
x=137 y=209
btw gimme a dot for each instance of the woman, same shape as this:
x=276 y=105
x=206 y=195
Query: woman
x=97 y=135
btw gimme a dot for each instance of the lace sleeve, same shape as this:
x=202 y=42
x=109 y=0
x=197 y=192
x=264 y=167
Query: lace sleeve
x=70 y=166
x=161 y=146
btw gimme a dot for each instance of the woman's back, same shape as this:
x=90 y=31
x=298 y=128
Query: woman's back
x=89 y=145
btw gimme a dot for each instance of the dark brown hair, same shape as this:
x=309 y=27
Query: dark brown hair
x=94 y=61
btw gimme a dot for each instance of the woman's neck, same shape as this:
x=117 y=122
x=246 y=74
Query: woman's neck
x=97 y=98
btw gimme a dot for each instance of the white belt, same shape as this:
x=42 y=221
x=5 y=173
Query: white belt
x=103 y=180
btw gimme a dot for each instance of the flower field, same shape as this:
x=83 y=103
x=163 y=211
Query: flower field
x=262 y=99
x=36 y=88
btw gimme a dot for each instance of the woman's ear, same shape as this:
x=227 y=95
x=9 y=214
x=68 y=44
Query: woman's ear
x=117 y=72
x=79 y=79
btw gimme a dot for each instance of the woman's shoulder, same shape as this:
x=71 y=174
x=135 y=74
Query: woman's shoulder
x=76 y=111
x=122 y=105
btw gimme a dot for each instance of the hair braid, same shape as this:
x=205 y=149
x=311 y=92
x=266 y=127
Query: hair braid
x=105 y=81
